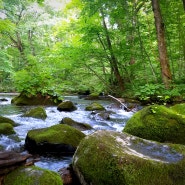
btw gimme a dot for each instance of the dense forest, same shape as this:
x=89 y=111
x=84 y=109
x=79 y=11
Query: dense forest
x=133 y=48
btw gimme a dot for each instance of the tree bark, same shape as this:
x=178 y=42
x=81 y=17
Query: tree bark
x=113 y=59
x=183 y=1
x=163 y=57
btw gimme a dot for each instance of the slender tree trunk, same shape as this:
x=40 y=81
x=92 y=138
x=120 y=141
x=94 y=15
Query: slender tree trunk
x=183 y=1
x=165 y=67
x=113 y=59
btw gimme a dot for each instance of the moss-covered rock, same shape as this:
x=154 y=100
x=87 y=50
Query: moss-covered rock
x=7 y=120
x=157 y=123
x=75 y=124
x=58 y=138
x=107 y=157
x=179 y=108
x=6 y=129
x=32 y=176
x=66 y=106
x=38 y=99
x=93 y=96
x=94 y=106
x=38 y=112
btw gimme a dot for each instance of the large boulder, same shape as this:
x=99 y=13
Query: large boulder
x=94 y=106
x=38 y=112
x=108 y=157
x=75 y=124
x=38 y=99
x=158 y=123
x=58 y=138
x=179 y=108
x=32 y=176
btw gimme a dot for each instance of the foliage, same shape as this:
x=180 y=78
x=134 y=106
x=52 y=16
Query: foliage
x=157 y=93
x=101 y=46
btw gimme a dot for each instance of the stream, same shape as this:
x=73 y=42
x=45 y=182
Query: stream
x=118 y=118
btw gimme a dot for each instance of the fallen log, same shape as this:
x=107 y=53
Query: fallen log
x=125 y=107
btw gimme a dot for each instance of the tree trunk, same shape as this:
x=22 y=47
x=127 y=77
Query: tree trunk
x=183 y=1
x=165 y=67
x=113 y=59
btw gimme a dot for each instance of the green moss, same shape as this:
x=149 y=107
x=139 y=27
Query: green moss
x=179 y=108
x=75 y=124
x=66 y=106
x=157 y=123
x=94 y=106
x=6 y=129
x=6 y=120
x=38 y=112
x=114 y=163
x=32 y=176
x=57 y=134
x=38 y=99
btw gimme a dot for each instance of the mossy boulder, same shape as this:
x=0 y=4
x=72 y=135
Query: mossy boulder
x=58 y=138
x=7 y=120
x=38 y=99
x=94 y=106
x=179 y=108
x=75 y=124
x=32 y=176
x=93 y=96
x=66 y=106
x=38 y=112
x=108 y=157
x=157 y=123
x=6 y=129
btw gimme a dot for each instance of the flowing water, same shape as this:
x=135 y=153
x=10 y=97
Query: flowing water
x=118 y=118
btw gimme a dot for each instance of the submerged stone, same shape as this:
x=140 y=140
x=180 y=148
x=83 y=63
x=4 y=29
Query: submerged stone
x=158 y=123
x=58 y=138
x=38 y=112
x=108 y=157
x=32 y=176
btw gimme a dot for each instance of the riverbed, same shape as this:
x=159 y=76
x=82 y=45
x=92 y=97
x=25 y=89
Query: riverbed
x=118 y=118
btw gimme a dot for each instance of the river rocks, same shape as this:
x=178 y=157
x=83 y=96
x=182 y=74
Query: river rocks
x=107 y=157
x=75 y=124
x=66 y=106
x=38 y=99
x=10 y=160
x=38 y=112
x=58 y=138
x=6 y=126
x=157 y=123
x=6 y=129
x=94 y=106
x=6 y=120
x=92 y=96
x=32 y=175
x=3 y=99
